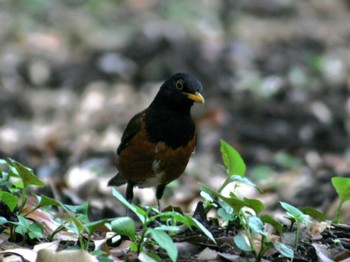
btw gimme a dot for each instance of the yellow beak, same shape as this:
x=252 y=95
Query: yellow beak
x=197 y=97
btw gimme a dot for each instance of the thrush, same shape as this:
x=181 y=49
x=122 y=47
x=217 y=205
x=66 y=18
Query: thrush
x=157 y=142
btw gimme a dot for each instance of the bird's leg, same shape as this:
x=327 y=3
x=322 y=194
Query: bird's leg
x=130 y=191
x=129 y=194
x=159 y=193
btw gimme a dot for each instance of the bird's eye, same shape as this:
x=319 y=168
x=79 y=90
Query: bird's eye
x=179 y=85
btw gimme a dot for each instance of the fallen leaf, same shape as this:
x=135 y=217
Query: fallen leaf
x=45 y=255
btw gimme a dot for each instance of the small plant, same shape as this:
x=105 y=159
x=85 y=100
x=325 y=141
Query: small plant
x=168 y=223
x=342 y=186
x=254 y=230
x=243 y=211
x=296 y=216
x=15 y=180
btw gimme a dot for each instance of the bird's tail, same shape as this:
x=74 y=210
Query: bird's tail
x=117 y=180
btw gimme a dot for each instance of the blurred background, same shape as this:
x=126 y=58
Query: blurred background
x=275 y=76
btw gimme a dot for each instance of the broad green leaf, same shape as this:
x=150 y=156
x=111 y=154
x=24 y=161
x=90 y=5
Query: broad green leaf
x=9 y=199
x=141 y=214
x=207 y=197
x=314 y=213
x=23 y=221
x=295 y=213
x=35 y=230
x=233 y=161
x=148 y=257
x=342 y=186
x=256 y=225
x=92 y=227
x=204 y=230
x=3 y=220
x=78 y=209
x=165 y=242
x=27 y=175
x=284 y=250
x=226 y=212
x=22 y=227
x=22 y=230
x=44 y=201
x=238 y=178
x=77 y=226
x=124 y=226
x=255 y=204
x=270 y=220
x=241 y=243
x=168 y=228
x=12 y=171
x=236 y=203
x=3 y=162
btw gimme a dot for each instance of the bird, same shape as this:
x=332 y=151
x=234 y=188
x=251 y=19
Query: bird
x=157 y=143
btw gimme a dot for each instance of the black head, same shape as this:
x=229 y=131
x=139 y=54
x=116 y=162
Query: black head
x=179 y=91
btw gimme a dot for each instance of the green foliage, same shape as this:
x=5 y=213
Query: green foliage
x=26 y=227
x=273 y=222
x=233 y=162
x=244 y=211
x=296 y=216
x=9 y=199
x=124 y=226
x=342 y=186
x=167 y=223
x=284 y=250
x=314 y=213
x=15 y=179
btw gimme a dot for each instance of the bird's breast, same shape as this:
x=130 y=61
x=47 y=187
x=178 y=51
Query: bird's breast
x=150 y=164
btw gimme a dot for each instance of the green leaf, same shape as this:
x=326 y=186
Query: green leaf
x=207 y=197
x=3 y=220
x=92 y=227
x=241 y=243
x=255 y=204
x=124 y=226
x=141 y=214
x=25 y=227
x=204 y=230
x=168 y=228
x=284 y=250
x=77 y=226
x=342 y=186
x=9 y=199
x=236 y=203
x=27 y=175
x=44 y=201
x=145 y=256
x=77 y=209
x=256 y=225
x=295 y=213
x=314 y=213
x=165 y=242
x=232 y=160
x=244 y=180
x=270 y=220
x=226 y=212
x=35 y=231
